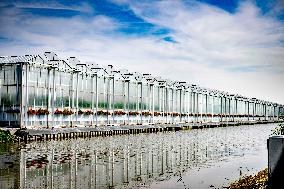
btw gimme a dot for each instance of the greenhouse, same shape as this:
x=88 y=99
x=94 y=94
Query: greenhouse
x=46 y=91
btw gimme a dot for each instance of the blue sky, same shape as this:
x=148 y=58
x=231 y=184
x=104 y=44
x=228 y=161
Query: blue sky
x=230 y=45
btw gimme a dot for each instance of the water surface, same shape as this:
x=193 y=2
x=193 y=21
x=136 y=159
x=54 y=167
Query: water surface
x=205 y=158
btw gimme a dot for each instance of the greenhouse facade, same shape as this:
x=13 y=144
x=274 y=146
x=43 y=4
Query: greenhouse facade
x=45 y=91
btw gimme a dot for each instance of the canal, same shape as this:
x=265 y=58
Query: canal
x=201 y=158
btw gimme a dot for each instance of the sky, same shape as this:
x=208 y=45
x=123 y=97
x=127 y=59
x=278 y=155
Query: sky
x=229 y=45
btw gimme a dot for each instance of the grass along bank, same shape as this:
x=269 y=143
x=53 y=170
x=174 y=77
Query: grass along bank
x=260 y=180
x=6 y=136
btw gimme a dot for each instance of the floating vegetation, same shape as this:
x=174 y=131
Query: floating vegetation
x=250 y=182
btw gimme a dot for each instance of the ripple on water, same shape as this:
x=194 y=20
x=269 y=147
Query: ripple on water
x=157 y=160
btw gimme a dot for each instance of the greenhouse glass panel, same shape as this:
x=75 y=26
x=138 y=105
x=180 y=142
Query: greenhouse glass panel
x=232 y=107
x=166 y=100
x=151 y=97
x=110 y=93
x=156 y=98
x=190 y=101
x=186 y=101
x=145 y=97
x=209 y=106
x=65 y=90
x=251 y=108
x=178 y=101
x=84 y=94
x=102 y=103
x=10 y=94
x=132 y=96
x=119 y=94
x=204 y=105
x=175 y=96
x=139 y=97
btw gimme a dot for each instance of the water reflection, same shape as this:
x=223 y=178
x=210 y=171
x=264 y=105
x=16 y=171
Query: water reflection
x=129 y=161
x=10 y=168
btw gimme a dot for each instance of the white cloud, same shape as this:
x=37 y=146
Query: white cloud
x=82 y=7
x=240 y=53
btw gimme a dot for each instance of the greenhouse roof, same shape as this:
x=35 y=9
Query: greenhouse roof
x=73 y=64
x=17 y=59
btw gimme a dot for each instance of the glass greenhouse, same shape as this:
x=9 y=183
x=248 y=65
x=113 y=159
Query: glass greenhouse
x=45 y=91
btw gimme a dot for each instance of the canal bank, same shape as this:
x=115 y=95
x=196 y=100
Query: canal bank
x=28 y=135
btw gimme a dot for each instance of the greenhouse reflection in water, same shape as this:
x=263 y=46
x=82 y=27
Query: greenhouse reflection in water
x=134 y=160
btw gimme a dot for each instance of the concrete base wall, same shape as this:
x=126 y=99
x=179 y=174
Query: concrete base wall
x=275 y=146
